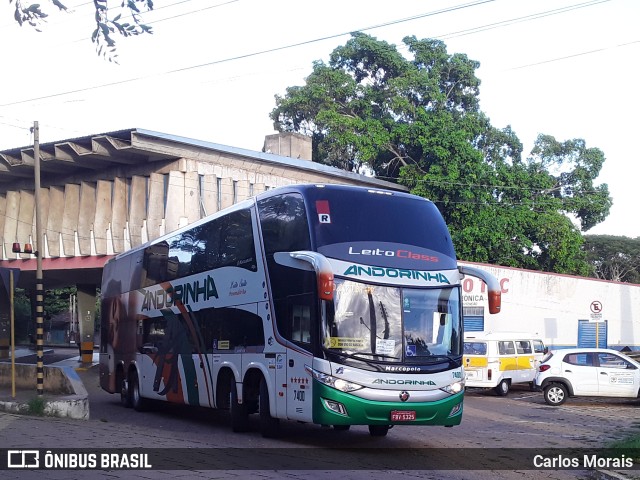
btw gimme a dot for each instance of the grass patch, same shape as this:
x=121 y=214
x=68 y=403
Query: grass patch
x=632 y=442
x=629 y=446
x=36 y=406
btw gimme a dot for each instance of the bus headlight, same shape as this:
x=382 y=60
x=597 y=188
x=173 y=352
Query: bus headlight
x=454 y=388
x=337 y=383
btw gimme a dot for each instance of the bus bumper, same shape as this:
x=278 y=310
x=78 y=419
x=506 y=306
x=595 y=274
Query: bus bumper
x=333 y=407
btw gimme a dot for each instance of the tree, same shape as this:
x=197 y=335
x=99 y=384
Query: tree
x=614 y=258
x=417 y=121
x=106 y=26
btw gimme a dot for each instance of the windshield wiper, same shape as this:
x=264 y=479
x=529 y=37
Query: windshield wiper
x=358 y=355
x=437 y=359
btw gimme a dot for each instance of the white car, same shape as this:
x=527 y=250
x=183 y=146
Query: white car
x=592 y=372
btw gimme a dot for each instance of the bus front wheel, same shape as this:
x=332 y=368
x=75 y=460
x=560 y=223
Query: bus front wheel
x=239 y=416
x=378 y=430
x=269 y=426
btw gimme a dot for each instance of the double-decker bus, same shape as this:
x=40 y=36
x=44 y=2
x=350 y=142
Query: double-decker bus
x=334 y=305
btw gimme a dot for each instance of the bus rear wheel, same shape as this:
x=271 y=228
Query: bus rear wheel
x=378 y=430
x=269 y=426
x=239 y=416
x=125 y=394
x=138 y=403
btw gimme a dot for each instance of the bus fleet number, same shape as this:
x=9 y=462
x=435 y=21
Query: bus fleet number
x=298 y=395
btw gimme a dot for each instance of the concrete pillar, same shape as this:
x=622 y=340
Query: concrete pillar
x=192 y=206
x=119 y=218
x=86 y=216
x=86 y=322
x=25 y=220
x=155 y=210
x=70 y=218
x=44 y=215
x=5 y=325
x=242 y=190
x=54 y=221
x=210 y=194
x=11 y=222
x=226 y=193
x=3 y=212
x=103 y=216
x=137 y=209
x=175 y=201
x=258 y=188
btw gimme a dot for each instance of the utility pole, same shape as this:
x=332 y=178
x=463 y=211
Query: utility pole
x=39 y=252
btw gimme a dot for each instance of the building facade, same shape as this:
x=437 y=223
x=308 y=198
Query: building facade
x=562 y=310
x=106 y=193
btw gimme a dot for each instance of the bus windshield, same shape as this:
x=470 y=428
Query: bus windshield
x=393 y=324
x=346 y=225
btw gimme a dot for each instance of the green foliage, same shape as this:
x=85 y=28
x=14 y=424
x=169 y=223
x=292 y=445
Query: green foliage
x=36 y=406
x=106 y=26
x=22 y=315
x=614 y=258
x=57 y=301
x=417 y=121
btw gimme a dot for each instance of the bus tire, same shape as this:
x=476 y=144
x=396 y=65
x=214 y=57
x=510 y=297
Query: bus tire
x=269 y=426
x=502 y=389
x=138 y=403
x=239 y=416
x=125 y=393
x=378 y=430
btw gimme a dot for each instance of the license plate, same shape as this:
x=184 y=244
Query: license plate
x=471 y=373
x=403 y=415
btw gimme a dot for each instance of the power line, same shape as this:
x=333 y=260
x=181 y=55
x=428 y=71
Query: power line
x=575 y=55
x=393 y=22
x=526 y=18
x=253 y=54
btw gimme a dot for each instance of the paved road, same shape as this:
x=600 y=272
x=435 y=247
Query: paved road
x=521 y=420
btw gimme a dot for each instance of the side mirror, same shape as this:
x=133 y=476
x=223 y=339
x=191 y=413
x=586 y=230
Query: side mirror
x=493 y=286
x=321 y=266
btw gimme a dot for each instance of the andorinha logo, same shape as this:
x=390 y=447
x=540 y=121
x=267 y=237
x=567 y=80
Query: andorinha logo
x=365 y=271
x=185 y=293
x=384 y=381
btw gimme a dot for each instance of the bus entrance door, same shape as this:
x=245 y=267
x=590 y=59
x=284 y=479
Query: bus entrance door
x=299 y=384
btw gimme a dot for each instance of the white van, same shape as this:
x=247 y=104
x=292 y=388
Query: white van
x=498 y=360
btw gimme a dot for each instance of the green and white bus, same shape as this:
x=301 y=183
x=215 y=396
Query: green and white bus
x=327 y=304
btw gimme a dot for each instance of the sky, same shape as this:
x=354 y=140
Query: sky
x=211 y=69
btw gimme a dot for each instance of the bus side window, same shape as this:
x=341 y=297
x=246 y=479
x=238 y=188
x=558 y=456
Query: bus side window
x=301 y=324
x=229 y=330
x=284 y=223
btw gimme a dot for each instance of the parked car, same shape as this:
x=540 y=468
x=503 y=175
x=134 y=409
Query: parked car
x=592 y=372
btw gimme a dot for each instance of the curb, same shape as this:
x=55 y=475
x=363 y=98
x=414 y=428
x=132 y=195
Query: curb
x=610 y=475
x=74 y=405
